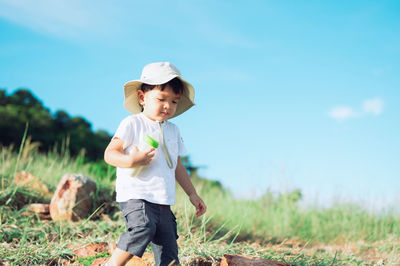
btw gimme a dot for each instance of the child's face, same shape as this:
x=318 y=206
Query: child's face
x=159 y=105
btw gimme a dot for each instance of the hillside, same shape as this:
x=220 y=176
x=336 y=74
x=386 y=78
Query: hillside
x=272 y=228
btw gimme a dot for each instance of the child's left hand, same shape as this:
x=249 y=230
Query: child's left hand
x=199 y=204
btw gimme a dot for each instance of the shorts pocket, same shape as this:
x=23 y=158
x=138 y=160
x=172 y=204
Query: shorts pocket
x=134 y=214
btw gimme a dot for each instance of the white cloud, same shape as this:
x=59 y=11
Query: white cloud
x=373 y=106
x=342 y=113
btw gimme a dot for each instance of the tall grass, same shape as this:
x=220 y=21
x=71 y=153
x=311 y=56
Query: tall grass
x=49 y=168
x=227 y=223
x=280 y=218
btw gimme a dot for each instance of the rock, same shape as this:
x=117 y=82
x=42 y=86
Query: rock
x=44 y=216
x=100 y=261
x=42 y=210
x=73 y=198
x=239 y=260
x=32 y=183
x=89 y=250
x=39 y=208
x=146 y=260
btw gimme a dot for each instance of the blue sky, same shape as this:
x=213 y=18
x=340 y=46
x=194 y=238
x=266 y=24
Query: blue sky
x=289 y=94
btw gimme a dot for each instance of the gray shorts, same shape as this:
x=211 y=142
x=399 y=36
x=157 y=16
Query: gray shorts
x=152 y=223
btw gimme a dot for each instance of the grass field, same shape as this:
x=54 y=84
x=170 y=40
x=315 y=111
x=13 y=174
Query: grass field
x=273 y=227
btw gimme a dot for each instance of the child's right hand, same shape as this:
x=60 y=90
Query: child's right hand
x=115 y=156
x=140 y=158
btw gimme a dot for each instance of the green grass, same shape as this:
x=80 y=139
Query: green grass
x=282 y=218
x=273 y=227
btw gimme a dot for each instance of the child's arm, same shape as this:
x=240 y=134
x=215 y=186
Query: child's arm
x=183 y=179
x=115 y=156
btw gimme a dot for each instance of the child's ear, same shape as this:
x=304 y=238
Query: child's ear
x=140 y=96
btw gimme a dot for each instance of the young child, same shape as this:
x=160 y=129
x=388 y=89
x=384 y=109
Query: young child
x=145 y=197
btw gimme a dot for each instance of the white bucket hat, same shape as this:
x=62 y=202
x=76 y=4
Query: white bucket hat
x=157 y=74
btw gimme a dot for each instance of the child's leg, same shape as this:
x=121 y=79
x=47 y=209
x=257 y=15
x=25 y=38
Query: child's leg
x=164 y=245
x=119 y=257
x=140 y=232
x=165 y=255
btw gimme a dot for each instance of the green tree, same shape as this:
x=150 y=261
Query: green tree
x=22 y=108
x=19 y=109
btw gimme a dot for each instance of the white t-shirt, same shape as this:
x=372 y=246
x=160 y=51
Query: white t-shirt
x=156 y=181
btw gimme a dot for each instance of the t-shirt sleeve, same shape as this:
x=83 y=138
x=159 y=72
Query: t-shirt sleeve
x=124 y=132
x=181 y=145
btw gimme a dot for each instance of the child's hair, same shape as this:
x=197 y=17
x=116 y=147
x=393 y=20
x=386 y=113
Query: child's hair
x=175 y=84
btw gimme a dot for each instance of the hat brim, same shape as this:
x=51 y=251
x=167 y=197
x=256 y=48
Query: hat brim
x=131 y=102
